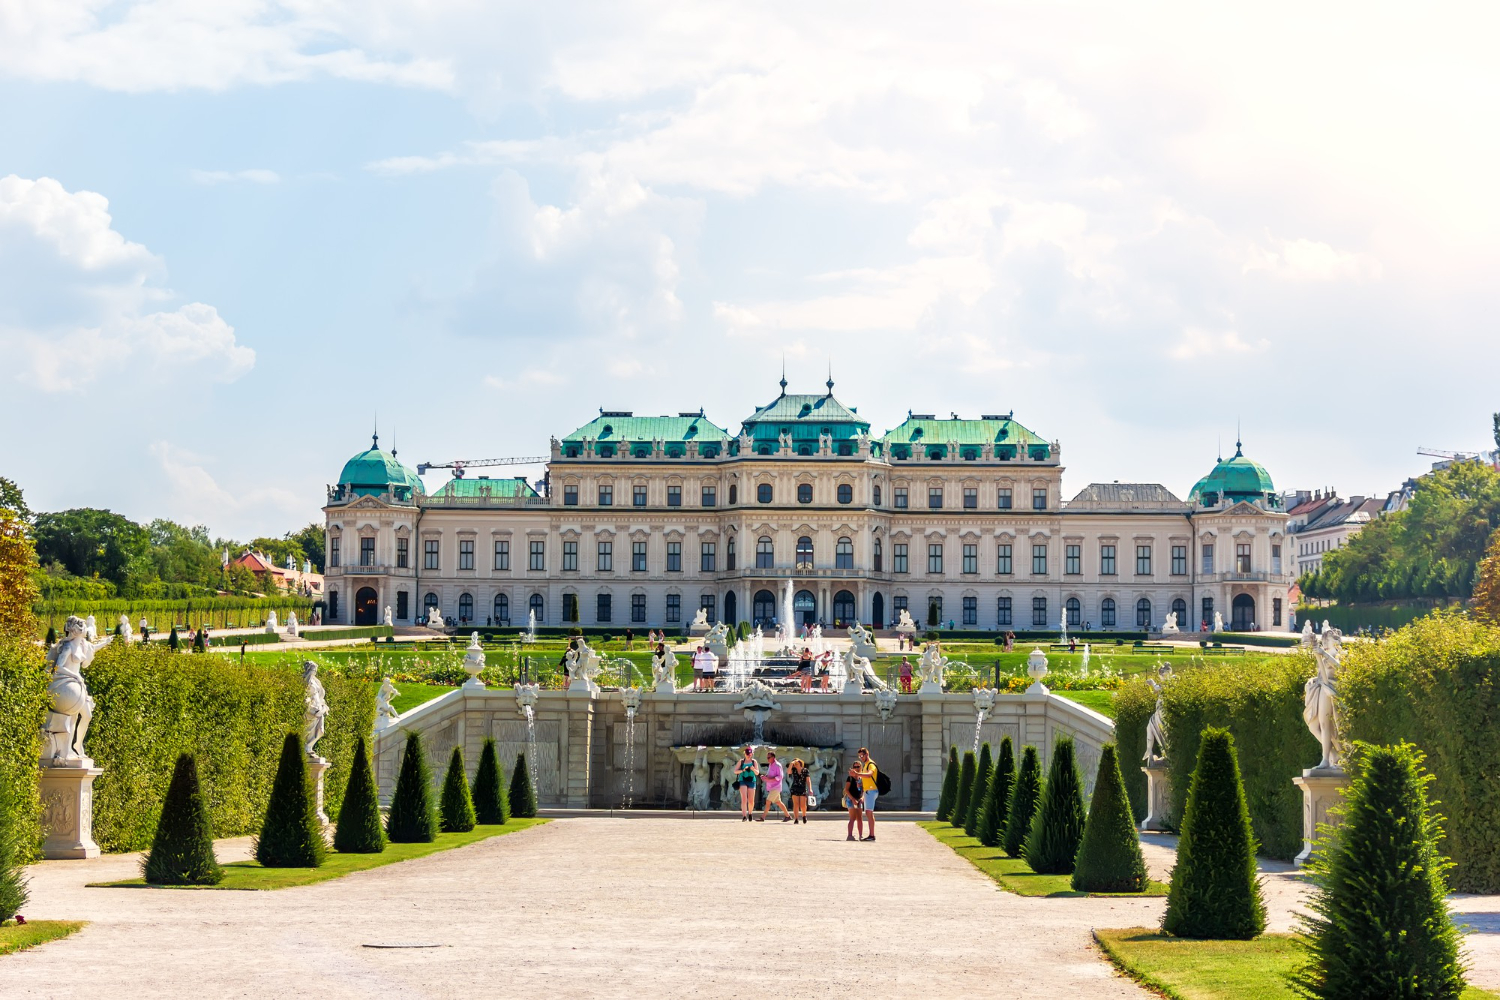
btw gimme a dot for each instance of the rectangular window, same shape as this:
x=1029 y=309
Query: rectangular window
x=1208 y=559
x=502 y=555
x=707 y=557
x=367 y=552
x=674 y=609
x=1107 y=613
x=637 y=557
x=875 y=497
x=1002 y=612
x=606 y=496
x=898 y=557
x=403 y=605
x=539 y=558
x=333 y=550
x=1208 y=612
x=638 y=608
x=710 y=496
x=935 y=557
x=674 y=496
x=466 y=553
x=729 y=556
x=1143 y=560
x=898 y=605
x=638 y=496
x=1073 y=557
x=1039 y=559
x=900 y=497
x=1242 y=557
x=1276 y=561
x=603 y=608
x=1039 y=499
x=706 y=602
x=1004 y=498
x=1039 y=612
x=971 y=611
x=879 y=560
x=570 y=496
x=570 y=607
x=935 y=612
x=971 y=559
x=1276 y=612
x=403 y=546
x=1179 y=560
x=1106 y=560
x=430 y=559
x=570 y=557
x=971 y=498
x=674 y=557
x=1003 y=563
x=606 y=557
x=935 y=497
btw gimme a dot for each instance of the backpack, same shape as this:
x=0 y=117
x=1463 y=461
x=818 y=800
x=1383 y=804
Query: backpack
x=882 y=782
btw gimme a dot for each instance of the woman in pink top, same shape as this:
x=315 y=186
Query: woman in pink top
x=774 y=774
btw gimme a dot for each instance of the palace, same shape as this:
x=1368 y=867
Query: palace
x=640 y=521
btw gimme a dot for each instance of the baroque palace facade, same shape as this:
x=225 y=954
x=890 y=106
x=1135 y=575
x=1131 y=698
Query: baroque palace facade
x=643 y=520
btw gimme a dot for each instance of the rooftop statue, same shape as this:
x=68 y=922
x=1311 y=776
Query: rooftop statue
x=1320 y=699
x=72 y=708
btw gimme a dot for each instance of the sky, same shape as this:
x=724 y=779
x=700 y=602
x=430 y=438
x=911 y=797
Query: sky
x=236 y=234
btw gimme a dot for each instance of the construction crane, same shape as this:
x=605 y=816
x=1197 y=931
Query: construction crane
x=459 y=465
x=1456 y=456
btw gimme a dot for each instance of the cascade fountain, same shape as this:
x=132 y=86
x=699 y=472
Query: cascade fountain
x=788 y=617
x=1062 y=624
x=1083 y=670
x=984 y=703
x=631 y=696
x=529 y=635
x=526 y=695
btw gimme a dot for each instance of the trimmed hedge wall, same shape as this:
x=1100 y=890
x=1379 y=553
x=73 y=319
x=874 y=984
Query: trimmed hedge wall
x=23 y=704
x=250 y=639
x=1257 y=639
x=320 y=634
x=1134 y=703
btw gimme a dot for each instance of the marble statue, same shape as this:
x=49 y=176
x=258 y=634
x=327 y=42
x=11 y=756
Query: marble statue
x=664 y=669
x=698 y=785
x=385 y=712
x=291 y=623
x=125 y=632
x=862 y=641
x=1156 y=727
x=71 y=709
x=1218 y=621
x=858 y=673
x=1169 y=627
x=389 y=621
x=931 y=667
x=885 y=703
x=700 y=620
x=1307 y=633
x=315 y=715
x=583 y=667
x=906 y=624
x=435 y=618
x=717 y=641
x=91 y=631
x=823 y=774
x=729 y=796
x=1320 y=699
x=271 y=622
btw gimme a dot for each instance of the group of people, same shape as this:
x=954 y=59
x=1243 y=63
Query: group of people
x=860 y=791
x=810 y=668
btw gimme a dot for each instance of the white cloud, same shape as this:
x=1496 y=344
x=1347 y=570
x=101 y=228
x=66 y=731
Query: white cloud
x=77 y=298
x=253 y=176
x=1310 y=260
x=1198 y=343
x=196 y=497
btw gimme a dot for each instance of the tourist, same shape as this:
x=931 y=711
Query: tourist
x=710 y=667
x=658 y=658
x=774 y=774
x=906 y=675
x=744 y=779
x=867 y=775
x=1072 y=644
x=629 y=639
x=796 y=780
x=698 y=669
x=1010 y=641
x=854 y=802
x=825 y=668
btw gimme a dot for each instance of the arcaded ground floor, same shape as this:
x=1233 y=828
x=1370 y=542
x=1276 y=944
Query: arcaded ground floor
x=613 y=907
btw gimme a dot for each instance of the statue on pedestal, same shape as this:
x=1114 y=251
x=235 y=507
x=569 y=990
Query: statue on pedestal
x=125 y=633
x=315 y=714
x=1320 y=699
x=389 y=622
x=700 y=620
x=931 y=667
x=291 y=624
x=1169 y=627
x=72 y=708
x=1218 y=621
x=1156 y=726
x=385 y=712
x=905 y=624
x=863 y=642
x=664 y=669
x=271 y=622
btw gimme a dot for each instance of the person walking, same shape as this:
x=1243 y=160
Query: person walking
x=868 y=774
x=906 y=675
x=854 y=802
x=774 y=775
x=744 y=776
x=629 y=639
x=796 y=781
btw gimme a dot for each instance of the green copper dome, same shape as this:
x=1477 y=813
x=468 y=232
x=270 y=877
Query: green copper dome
x=1234 y=480
x=374 y=471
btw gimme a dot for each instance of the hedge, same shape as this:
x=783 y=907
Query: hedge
x=1134 y=703
x=358 y=632
x=249 y=639
x=23 y=704
x=163 y=614
x=1257 y=639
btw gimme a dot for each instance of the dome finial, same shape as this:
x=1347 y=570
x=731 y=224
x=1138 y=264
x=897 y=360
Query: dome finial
x=783 y=373
x=1239 y=448
x=375 y=434
x=829 y=383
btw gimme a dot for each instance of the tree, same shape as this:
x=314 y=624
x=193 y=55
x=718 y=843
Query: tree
x=1380 y=923
x=976 y=794
x=522 y=795
x=17 y=588
x=997 y=797
x=949 y=791
x=489 y=788
x=13 y=894
x=359 y=830
x=89 y=542
x=182 y=853
x=412 y=819
x=1214 y=891
x=1022 y=805
x=310 y=540
x=12 y=499
x=200 y=644
x=1109 y=858
x=457 y=805
x=291 y=836
x=172 y=641
x=1486 y=603
x=1057 y=828
x=965 y=789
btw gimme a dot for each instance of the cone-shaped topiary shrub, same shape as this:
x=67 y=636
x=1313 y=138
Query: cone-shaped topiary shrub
x=522 y=795
x=489 y=791
x=965 y=790
x=1109 y=859
x=199 y=644
x=359 y=830
x=1379 y=926
x=1022 y=805
x=51 y=636
x=291 y=836
x=997 y=797
x=977 y=793
x=13 y=894
x=183 y=851
x=1214 y=892
x=950 y=787
x=457 y=806
x=1057 y=827
x=172 y=641
x=412 y=819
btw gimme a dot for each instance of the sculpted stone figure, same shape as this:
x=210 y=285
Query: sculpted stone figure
x=72 y=708
x=1156 y=727
x=698 y=786
x=385 y=712
x=906 y=624
x=91 y=631
x=1307 y=632
x=315 y=715
x=389 y=622
x=1169 y=627
x=291 y=623
x=1218 y=621
x=700 y=620
x=1320 y=699
x=125 y=633
x=862 y=641
x=931 y=666
x=664 y=669
x=858 y=672
x=271 y=622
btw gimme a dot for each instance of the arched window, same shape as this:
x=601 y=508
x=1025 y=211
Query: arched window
x=536 y=607
x=502 y=609
x=843 y=608
x=1107 y=613
x=1143 y=613
x=763 y=493
x=765 y=553
x=846 y=493
x=1075 y=612
x=465 y=607
x=729 y=554
x=765 y=607
x=804 y=553
x=1179 y=608
x=804 y=492
x=843 y=557
x=734 y=494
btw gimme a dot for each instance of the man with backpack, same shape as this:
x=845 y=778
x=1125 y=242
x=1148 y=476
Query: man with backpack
x=874 y=783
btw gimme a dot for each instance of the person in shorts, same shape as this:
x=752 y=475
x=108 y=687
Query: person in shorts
x=854 y=802
x=867 y=773
x=773 y=778
x=744 y=775
x=796 y=780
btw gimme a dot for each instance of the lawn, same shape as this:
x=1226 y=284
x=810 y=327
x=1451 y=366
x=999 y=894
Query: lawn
x=1102 y=702
x=1013 y=874
x=19 y=937
x=250 y=875
x=414 y=694
x=1213 y=970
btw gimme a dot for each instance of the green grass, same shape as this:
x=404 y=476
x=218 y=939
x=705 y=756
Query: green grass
x=1013 y=874
x=250 y=875
x=1213 y=970
x=414 y=694
x=19 y=937
x=1102 y=702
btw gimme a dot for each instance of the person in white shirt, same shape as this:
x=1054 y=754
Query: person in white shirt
x=707 y=664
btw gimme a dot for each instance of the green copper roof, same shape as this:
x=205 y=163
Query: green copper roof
x=1235 y=479
x=499 y=489
x=374 y=471
x=921 y=434
x=616 y=427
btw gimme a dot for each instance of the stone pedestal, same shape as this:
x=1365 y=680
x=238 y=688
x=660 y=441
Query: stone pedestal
x=1322 y=787
x=315 y=768
x=67 y=795
x=1158 y=796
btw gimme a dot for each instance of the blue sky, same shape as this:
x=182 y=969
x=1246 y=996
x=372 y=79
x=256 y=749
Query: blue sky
x=232 y=233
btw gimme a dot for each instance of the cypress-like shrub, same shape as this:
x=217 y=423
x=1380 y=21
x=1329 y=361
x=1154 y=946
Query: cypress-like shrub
x=411 y=819
x=199 y=645
x=1022 y=805
x=51 y=636
x=949 y=791
x=292 y=836
x=1133 y=704
x=13 y=894
x=1057 y=827
x=457 y=806
x=172 y=641
x=997 y=797
x=1380 y=925
x=183 y=851
x=977 y=793
x=489 y=790
x=359 y=830
x=965 y=789
x=522 y=795
x=1109 y=858
x=1214 y=892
